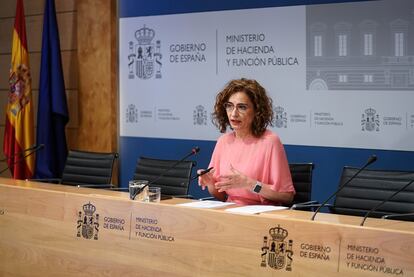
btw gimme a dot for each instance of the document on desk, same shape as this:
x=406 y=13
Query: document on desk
x=207 y=204
x=255 y=209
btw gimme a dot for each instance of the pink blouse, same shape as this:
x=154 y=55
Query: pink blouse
x=262 y=159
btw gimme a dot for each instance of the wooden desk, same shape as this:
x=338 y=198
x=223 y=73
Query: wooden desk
x=54 y=230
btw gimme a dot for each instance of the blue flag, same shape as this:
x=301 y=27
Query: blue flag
x=52 y=113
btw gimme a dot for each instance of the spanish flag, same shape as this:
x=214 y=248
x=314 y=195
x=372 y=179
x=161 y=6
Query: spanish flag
x=19 y=132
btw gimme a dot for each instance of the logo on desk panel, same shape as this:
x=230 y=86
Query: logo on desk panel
x=88 y=222
x=144 y=57
x=277 y=251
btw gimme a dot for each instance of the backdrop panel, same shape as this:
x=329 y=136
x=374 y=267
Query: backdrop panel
x=341 y=76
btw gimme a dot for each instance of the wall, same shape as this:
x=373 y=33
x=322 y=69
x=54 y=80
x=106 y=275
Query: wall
x=97 y=75
x=88 y=58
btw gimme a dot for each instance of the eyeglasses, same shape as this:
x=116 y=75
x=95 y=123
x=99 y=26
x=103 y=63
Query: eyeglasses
x=241 y=108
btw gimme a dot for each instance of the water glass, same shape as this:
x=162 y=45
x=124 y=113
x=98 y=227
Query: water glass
x=138 y=189
x=153 y=195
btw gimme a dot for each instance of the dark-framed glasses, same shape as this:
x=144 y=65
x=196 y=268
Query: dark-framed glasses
x=241 y=108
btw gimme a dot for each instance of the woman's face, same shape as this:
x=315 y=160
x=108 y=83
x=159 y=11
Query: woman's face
x=240 y=112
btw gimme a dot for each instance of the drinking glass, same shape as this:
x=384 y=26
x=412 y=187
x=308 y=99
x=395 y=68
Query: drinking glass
x=138 y=189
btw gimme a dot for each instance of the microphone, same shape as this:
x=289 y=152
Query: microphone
x=32 y=149
x=194 y=151
x=385 y=200
x=371 y=160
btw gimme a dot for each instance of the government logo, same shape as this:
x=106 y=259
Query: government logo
x=200 y=115
x=370 y=120
x=144 y=59
x=131 y=114
x=88 y=222
x=276 y=251
x=280 y=117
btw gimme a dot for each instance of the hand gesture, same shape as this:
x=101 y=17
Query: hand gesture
x=235 y=179
x=205 y=180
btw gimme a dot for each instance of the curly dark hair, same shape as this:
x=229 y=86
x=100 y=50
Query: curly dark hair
x=263 y=112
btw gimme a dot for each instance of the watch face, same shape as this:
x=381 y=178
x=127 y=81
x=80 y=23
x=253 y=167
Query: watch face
x=257 y=187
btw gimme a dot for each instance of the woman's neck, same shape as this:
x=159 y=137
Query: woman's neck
x=243 y=134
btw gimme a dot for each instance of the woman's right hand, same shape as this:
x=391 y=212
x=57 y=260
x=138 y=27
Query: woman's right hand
x=205 y=180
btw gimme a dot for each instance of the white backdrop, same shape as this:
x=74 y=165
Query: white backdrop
x=172 y=66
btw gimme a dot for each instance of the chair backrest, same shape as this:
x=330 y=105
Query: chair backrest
x=370 y=188
x=302 y=181
x=174 y=181
x=88 y=168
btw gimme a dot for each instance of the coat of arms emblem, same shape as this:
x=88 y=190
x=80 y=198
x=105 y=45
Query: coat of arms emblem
x=131 y=114
x=280 y=119
x=200 y=116
x=145 y=55
x=20 y=91
x=88 y=222
x=370 y=120
x=277 y=251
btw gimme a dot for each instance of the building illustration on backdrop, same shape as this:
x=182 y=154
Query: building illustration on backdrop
x=369 y=48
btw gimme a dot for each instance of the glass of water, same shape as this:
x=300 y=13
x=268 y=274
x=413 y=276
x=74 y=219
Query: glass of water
x=138 y=189
x=153 y=195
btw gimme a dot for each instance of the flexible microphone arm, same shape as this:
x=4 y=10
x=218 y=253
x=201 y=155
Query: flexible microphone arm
x=371 y=160
x=194 y=151
x=386 y=200
x=32 y=151
x=34 y=146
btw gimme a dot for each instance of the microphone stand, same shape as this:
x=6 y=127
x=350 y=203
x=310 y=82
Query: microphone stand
x=20 y=152
x=193 y=152
x=371 y=159
x=387 y=199
x=32 y=151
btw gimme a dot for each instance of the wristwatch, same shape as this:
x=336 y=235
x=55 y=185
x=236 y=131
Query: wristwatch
x=257 y=187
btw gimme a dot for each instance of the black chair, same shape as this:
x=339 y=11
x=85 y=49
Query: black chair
x=87 y=169
x=370 y=188
x=172 y=176
x=92 y=169
x=302 y=181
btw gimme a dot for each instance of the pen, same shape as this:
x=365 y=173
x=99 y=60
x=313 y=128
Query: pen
x=202 y=173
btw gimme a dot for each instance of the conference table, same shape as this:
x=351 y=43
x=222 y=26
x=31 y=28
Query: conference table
x=57 y=230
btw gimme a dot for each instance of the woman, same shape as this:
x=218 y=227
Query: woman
x=249 y=163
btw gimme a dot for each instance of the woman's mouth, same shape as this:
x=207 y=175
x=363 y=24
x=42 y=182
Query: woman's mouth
x=235 y=122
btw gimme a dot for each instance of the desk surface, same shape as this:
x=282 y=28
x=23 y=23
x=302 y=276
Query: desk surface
x=48 y=229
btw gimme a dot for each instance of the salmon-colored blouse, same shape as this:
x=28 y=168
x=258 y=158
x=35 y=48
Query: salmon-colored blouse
x=263 y=159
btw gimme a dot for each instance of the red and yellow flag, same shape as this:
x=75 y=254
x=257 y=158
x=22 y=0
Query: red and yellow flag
x=19 y=132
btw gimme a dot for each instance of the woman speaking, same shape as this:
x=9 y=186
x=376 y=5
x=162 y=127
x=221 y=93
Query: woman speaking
x=249 y=163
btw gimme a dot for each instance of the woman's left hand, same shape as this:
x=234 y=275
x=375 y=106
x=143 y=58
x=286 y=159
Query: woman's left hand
x=234 y=180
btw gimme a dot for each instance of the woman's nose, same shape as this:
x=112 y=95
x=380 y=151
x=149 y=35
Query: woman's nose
x=235 y=111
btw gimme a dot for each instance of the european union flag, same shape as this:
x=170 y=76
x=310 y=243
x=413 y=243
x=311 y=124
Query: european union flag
x=52 y=113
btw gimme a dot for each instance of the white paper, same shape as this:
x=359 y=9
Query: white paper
x=255 y=209
x=207 y=204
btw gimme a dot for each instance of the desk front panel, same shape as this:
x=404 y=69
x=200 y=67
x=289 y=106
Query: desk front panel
x=49 y=230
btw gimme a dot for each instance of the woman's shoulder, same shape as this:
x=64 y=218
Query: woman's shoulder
x=270 y=137
x=226 y=137
x=223 y=140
